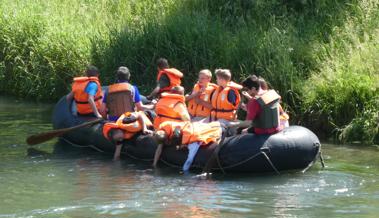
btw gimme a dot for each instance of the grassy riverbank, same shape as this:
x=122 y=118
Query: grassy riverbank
x=321 y=55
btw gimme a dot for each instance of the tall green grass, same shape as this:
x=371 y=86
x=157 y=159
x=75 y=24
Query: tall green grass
x=303 y=48
x=343 y=96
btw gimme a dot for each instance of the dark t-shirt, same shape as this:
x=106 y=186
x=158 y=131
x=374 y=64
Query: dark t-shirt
x=164 y=81
x=232 y=97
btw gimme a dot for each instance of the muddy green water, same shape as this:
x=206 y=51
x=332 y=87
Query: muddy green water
x=49 y=183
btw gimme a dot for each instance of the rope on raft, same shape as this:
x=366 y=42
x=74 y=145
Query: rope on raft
x=269 y=161
x=248 y=159
x=319 y=153
x=81 y=146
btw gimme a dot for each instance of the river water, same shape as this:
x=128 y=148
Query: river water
x=43 y=181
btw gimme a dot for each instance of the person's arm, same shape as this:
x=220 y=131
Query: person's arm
x=143 y=124
x=204 y=103
x=142 y=107
x=117 y=152
x=103 y=107
x=246 y=95
x=138 y=101
x=103 y=110
x=91 y=101
x=157 y=155
x=194 y=94
x=91 y=90
x=154 y=93
x=182 y=109
x=240 y=123
x=69 y=97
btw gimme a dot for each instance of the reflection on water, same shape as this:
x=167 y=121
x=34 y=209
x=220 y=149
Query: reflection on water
x=65 y=182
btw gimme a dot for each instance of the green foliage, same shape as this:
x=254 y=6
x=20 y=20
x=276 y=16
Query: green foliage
x=364 y=127
x=304 y=48
x=343 y=97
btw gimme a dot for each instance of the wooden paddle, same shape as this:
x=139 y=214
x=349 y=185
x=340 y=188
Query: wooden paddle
x=46 y=136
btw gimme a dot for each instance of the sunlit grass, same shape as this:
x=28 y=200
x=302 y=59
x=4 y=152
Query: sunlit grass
x=320 y=55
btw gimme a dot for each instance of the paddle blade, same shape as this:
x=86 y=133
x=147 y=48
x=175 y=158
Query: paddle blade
x=46 y=136
x=43 y=137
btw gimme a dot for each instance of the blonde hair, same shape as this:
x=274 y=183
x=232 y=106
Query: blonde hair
x=224 y=74
x=206 y=72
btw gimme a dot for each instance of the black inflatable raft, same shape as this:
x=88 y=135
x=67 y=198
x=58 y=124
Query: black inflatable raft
x=294 y=148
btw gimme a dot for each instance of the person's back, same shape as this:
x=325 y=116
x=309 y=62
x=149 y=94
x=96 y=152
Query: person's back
x=283 y=116
x=171 y=106
x=87 y=93
x=226 y=98
x=120 y=96
x=174 y=79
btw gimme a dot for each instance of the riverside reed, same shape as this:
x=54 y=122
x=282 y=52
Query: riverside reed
x=322 y=56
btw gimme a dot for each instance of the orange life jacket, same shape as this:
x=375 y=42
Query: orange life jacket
x=120 y=99
x=173 y=75
x=282 y=114
x=197 y=110
x=165 y=108
x=108 y=127
x=81 y=97
x=205 y=133
x=222 y=108
x=130 y=129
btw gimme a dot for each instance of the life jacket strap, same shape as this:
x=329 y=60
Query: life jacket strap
x=174 y=118
x=222 y=110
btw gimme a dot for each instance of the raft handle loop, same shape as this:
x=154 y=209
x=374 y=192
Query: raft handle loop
x=219 y=163
x=268 y=159
x=215 y=155
x=319 y=154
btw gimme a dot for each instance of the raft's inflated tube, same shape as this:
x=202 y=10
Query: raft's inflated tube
x=295 y=147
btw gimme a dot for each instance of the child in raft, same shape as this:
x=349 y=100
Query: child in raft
x=199 y=101
x=283 y=116
x=226 y=98
x=186 y=135
x=126 y=127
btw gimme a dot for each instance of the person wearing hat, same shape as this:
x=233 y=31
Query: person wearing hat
x=122 y=97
